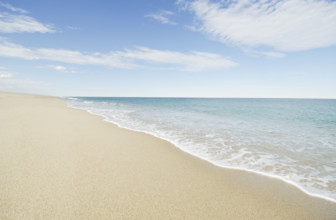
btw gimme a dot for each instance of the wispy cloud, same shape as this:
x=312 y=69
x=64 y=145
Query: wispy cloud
x=288 y=25
x=5 y=73
x=140 y=57
x=194 y=61
x=73 y=28
x=58 y=68
x=261 y=53
x=9 y=82
x=12 y=8
x=162 y=16
x=15 y=20
x=272 y=54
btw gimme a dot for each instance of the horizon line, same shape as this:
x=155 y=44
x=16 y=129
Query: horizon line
x=194 y=97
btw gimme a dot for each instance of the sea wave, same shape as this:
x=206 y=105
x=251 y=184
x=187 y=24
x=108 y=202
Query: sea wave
x=257 y=147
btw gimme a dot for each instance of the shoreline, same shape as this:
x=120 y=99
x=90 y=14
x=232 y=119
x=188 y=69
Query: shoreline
x=59 y=163
x=104 y=118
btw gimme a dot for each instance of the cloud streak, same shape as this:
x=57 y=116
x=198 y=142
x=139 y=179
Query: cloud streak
x=140 y=57
x=288 y=25
x=162 y=16
x=15 y=20
x=4 y=74
x=12 y=8
x=59 y=68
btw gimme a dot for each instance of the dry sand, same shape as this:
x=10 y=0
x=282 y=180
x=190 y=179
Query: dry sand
x=63 y=163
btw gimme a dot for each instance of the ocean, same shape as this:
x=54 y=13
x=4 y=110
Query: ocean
x=290 y=139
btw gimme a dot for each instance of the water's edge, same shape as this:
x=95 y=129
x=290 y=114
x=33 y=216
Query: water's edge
x=204 y=159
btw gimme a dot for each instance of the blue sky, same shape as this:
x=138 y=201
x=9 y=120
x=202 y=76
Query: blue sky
x=183 y=48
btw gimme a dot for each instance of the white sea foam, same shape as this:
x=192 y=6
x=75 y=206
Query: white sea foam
x=287 y=152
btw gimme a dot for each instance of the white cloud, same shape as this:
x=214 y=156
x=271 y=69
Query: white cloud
x=288 y=25
x=58 y=68
x=14 y=50
x=162 y=16
x=135 y=58
x=15 y=21
x=5 y=75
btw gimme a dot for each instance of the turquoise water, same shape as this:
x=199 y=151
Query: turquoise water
x=291 y=139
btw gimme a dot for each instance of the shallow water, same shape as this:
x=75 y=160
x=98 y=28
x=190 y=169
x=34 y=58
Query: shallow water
x=292 y=139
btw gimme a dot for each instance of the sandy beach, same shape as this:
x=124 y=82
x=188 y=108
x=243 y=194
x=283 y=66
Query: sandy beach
x=62 y=163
